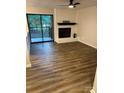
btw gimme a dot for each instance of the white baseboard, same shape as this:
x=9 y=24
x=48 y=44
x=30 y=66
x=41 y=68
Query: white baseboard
x=28 y=65
x=87 y=44
x=67 y=40
x=92 y=91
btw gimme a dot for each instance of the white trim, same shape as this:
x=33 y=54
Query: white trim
x=28 y=65
x=87 y=44
x=92 y=91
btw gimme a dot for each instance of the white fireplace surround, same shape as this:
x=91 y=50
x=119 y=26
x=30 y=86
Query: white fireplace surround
x=59 y=16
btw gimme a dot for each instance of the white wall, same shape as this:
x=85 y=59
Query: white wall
x=37 y=10
x=87 y=26
x=94 y=89
x=59 y=16
x=28 y=62
x=95 y=84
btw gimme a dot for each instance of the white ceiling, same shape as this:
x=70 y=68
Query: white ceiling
x=55 y=3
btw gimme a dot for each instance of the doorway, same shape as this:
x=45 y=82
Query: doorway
x=40 y=27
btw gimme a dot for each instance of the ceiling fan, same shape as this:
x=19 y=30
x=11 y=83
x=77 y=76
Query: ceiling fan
x=71 y=4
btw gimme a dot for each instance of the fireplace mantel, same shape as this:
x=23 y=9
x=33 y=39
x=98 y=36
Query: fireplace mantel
x=67 y=23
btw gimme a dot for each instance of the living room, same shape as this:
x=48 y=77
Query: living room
x=74 y=30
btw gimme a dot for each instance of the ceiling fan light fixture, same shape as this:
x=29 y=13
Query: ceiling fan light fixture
x=71 y=6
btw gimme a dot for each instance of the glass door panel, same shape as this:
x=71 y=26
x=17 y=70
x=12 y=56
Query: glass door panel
x=40 y=27
x=47 y=27
x=35 y=28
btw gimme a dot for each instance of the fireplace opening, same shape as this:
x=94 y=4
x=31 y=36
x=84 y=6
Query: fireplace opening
x=64 y=32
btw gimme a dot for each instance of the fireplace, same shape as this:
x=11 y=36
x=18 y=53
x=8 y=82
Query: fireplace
x=64 y=32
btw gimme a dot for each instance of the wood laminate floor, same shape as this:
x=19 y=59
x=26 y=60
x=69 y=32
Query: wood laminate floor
x=61 y=68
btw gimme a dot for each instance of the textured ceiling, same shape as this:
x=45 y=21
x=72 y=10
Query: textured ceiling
x=55 y=3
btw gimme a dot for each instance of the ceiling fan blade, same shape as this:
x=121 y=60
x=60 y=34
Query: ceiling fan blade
x=71 y=2
x=74 y=6
x=77 y=3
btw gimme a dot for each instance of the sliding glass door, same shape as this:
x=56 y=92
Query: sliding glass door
x=41 y=27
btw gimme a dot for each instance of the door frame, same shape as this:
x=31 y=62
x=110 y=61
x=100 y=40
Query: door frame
x=40 y=17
